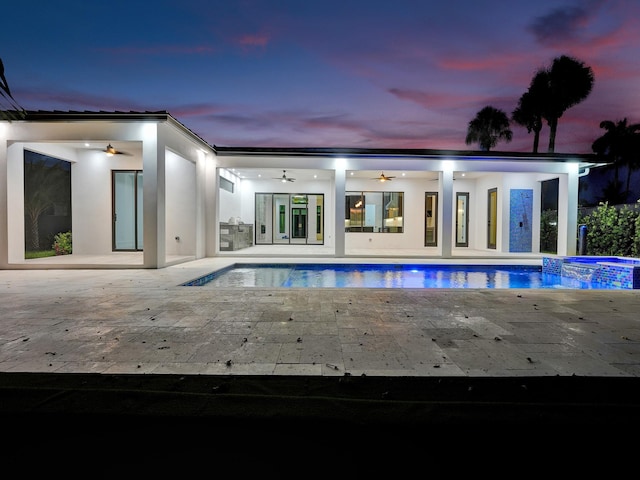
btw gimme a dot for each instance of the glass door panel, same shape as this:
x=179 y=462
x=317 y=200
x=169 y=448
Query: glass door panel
x=299 y=222
x=281 y=218
x=431 y=219
x=127 y=210
x=354 y=212
x=393 y=216
x=462 y=219
x=492 y=218
x=315 y=226
x=264 y=219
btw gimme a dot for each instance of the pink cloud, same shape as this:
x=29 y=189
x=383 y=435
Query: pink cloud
x=474 y=64
x=259 y=40
x=433 y=100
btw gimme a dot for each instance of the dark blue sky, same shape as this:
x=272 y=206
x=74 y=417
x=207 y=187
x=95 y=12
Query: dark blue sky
x=347 y=73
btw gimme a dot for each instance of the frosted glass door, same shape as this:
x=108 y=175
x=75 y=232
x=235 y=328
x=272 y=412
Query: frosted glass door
x=492 y=216
x=127 y=210
x=462 y=219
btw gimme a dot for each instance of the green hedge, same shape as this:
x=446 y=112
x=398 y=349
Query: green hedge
x=613 y=231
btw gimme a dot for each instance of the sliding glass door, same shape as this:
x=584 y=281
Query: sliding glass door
x=127 y=210
x=284 y=218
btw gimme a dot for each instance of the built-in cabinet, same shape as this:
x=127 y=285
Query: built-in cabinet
x=235 y=237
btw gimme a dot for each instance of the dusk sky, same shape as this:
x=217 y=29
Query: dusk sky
x=306 y=73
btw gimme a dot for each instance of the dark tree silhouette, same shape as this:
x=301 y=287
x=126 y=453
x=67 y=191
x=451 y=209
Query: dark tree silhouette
x=570 y=82
x=45 y=183
x=621 y=144
x=489 y=126
x=15 y=111
x=531 y=106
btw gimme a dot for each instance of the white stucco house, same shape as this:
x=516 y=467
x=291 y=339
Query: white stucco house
x=168 y=196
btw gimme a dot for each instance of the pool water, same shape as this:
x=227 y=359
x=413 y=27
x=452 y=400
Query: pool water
x=387 y=276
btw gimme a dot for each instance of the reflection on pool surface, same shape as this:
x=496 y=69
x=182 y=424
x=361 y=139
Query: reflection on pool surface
x=387 y=276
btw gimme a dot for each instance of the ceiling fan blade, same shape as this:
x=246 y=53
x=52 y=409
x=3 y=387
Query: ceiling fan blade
x=383 y=178
x=110 y=150
x=284 y=177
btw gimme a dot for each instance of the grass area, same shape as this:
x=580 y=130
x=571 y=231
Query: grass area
x=39 y=254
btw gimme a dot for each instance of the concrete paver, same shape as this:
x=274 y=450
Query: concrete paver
x=143 y=321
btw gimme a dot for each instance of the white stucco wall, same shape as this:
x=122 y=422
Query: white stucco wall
x=230 y=203
x=180 y=205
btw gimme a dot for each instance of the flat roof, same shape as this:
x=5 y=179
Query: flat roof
x=407 y=153
x=163 y=115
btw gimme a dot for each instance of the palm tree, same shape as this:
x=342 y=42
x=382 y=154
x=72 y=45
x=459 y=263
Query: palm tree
x=621 y=144
x=570 y=81
x=489 y=126
x=16 y=111
x=530 y=107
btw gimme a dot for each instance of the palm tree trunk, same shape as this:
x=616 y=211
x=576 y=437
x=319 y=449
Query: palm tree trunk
x=553 y=125
x=35 y=233
x=536 y=140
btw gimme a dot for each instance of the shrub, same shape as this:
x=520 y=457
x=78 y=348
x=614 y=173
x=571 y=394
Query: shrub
x=62 y=243
x=636 y=239
x=612 y=231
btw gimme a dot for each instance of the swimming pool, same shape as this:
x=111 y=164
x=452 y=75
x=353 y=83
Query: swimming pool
x=387 y=276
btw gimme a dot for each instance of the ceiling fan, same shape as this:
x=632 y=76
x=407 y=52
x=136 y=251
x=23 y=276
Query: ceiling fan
x=110 y=151
x=284 y=178
x=383 y=178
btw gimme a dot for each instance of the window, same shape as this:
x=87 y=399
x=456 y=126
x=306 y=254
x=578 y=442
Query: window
x=462 y=219
x=226 y=184
x=378 y=212
x=431 y=219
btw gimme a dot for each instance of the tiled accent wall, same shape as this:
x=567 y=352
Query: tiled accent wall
x=521 y=218
x=625 y=275
x=552 y=265
x=618 y=276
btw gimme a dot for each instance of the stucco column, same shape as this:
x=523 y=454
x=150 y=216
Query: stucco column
x=446 y=180
x=339 y=198
x=212 y=210
x=568 y=212
x=153 y=188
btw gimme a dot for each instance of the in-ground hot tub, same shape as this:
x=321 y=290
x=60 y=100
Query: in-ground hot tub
x=618 y=272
